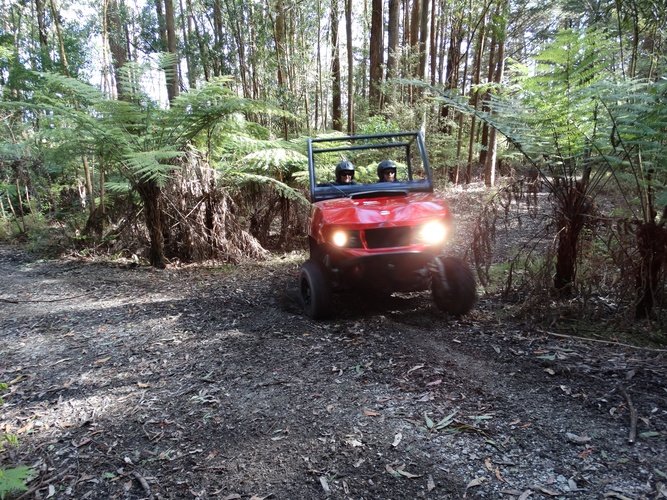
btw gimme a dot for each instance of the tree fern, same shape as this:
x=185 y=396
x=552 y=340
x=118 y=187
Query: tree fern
x=142 y=142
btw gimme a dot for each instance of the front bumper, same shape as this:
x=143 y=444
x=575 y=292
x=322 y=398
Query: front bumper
x=405 y=271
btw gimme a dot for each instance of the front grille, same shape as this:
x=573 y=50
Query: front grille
x=389 y=237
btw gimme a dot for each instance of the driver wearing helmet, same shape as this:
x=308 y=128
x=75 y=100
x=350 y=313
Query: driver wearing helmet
x=387 y=171
x=345 y=172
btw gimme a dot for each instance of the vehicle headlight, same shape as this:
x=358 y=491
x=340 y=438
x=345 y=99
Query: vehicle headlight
x=433 y=233
x=339 y=238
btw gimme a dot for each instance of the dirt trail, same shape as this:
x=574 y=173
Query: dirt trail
x=209 y=383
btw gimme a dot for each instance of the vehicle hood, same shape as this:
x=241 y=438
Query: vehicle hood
x=386 y=211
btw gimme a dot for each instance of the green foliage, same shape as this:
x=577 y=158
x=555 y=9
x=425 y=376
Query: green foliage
x=377 y=124
x=561 y=96
x=5 y=230
x=635 y=147
x=14 y=480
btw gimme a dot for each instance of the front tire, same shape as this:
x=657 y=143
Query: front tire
x=315 y=291
x=453 y=286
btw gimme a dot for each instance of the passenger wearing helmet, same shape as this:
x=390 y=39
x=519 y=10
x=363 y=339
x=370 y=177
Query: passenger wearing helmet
x=387 y=171
x=345 y=172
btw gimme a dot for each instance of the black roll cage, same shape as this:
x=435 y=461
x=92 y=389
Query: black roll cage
x=398 y=140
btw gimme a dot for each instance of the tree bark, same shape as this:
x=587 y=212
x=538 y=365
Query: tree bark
x=392 y=39
x=186 y=29
x=151 y=196
x=61 y=42
x=89 y=186
x=423 y=38
x=477 y=73
x=172 y=75
x=652 y=244
x=217 y=38
x=485 y=127
x=236 y=19
x=393 y=28
x=117 y=46
x=490 y=164
x=319 y=99
x=161 y=26
x=203 y=48
x=452 y=69
x=336 y=112
x=376 y=51
x=573 y=210
x=279 y=35
x=433 y=42
x=45 y=59
x=350 y=67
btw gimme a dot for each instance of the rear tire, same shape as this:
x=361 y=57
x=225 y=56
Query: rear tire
x=315 y=291
x=453 y=286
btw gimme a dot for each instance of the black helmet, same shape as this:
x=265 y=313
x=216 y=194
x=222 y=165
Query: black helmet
x=344 y=166
x=385 y=165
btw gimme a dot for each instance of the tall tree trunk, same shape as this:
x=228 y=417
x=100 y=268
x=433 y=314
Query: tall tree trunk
x=392 y=38
x=336 y=112
x=61 y=42
x=318 y=86
x=237 y=20
x=477 y=74
x=89 y=186
x=452 y=69
x=217 y=38
x=186 y=29
x=279 y=36
x=485 y=107
x=414 y=25
x=406 y=24
x=433 y=42
x=203 y=48
x=490 y=163
x=442 y=48
x=364 y=61
x=253 y=55
x=172 y=75
x=423 y=37
x=161 y=26
x=376 y=51
x=45 y=59
x=634 y=52
x=350 y=67
x=117 y=45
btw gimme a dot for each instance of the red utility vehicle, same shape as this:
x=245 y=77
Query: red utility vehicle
x=374 y=236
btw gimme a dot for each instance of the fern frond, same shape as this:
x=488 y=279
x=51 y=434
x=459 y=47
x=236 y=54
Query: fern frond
x=152 y=165
x=241 y=179
x=118 y=187
x=275 y=160
x=14 y=480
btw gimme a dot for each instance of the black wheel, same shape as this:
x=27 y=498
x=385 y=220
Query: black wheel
x=315 y=290
x=453 y=286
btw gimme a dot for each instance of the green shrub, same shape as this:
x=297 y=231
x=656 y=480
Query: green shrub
x=14 y=479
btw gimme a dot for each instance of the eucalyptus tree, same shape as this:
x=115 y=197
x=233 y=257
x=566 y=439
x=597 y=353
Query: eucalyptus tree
x=376 y=57
x=336 y=111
